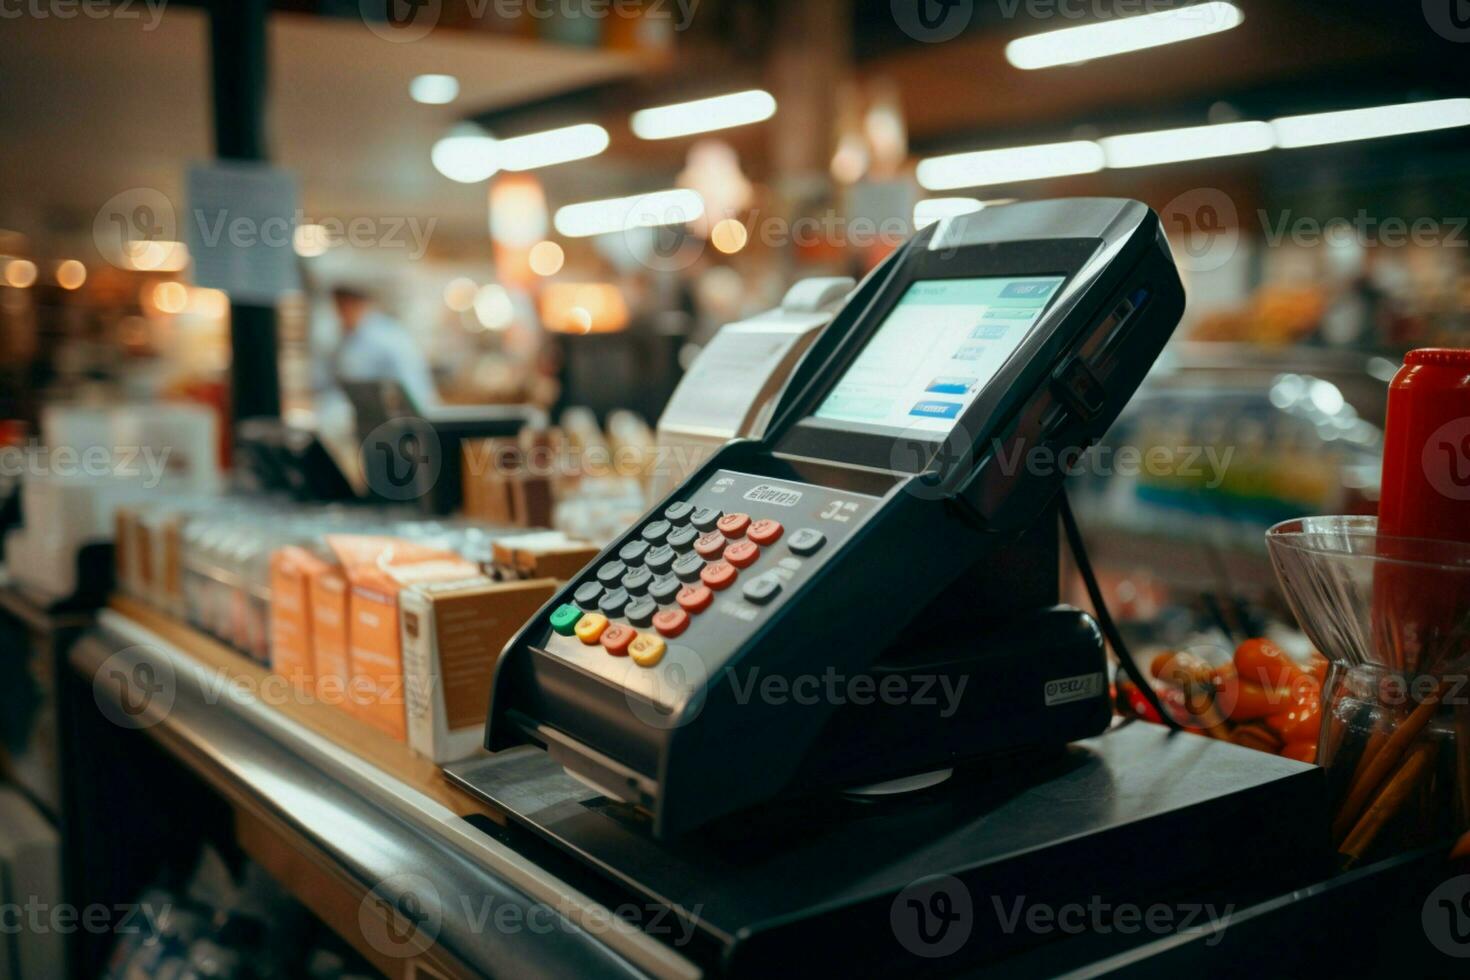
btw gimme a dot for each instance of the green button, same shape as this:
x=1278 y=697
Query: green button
x=564 y=618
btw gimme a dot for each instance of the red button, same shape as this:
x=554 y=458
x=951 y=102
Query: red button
x=671 y=622
x=694 y=598
x=733 y=525
x=615 y=639
x=742 y=553
x=710 y=544
x=765 y=530
x=718 y=574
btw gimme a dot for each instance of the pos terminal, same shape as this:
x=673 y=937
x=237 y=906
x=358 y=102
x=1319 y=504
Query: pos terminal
x=868 y=593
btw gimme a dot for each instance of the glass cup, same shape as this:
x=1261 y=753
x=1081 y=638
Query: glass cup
x=1392 y=615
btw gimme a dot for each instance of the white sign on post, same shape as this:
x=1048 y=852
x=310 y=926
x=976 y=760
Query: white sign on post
x=240 y=226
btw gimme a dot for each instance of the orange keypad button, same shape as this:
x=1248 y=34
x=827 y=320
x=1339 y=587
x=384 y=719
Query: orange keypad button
x=671 y=622
x=742 y=553
x=647 y=650
x=733 y=525
x=764 y=531
x=718 y=574
x=710 y=544
x=615 y=639
x=694 y=598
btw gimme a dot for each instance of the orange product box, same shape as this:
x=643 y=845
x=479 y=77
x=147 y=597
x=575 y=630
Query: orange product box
x=374 y=649
x=326 y=589
x=292 y=654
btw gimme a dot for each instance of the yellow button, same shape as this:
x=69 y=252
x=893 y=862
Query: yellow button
x=590 y=627
x=646 y=650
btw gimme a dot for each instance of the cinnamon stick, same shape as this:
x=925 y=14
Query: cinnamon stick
x=1383 y=761
x=1386 y=806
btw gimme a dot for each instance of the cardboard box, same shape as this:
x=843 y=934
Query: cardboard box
x=292 y=650
x=326 y=589
x=452 y=635
x=500 y=489
x=542 y=554
x=374 y=650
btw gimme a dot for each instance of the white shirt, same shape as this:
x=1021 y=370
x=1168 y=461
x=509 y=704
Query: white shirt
x=380 y=349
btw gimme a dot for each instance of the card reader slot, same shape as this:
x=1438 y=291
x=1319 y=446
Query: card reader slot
x=1106 y=339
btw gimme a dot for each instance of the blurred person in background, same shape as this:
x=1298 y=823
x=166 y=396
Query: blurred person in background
x=376 y=347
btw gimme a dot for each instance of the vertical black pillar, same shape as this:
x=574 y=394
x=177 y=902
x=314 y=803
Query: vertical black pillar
x=238 y=56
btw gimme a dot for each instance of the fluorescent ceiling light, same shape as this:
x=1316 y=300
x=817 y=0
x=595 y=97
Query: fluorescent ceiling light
x=932 y=209
x=674 y=207
x=1366 y=124
x=434 y=89
x=1122 y=35
x=466 y=155
x=1192 y=143
x=703 y=115
x=1011 y=165
x=551 y=147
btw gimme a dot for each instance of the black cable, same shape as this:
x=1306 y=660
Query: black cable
x=1109 y=628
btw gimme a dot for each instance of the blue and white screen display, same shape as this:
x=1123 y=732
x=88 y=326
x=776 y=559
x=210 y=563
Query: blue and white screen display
x=940 y=345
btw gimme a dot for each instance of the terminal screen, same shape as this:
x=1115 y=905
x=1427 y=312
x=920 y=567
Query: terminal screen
x=940 y=345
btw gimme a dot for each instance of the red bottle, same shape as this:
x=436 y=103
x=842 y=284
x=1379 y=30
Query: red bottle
x=1417 y=607
x=1426 y=448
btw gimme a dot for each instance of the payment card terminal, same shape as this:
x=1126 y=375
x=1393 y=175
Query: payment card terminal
x=868 y=592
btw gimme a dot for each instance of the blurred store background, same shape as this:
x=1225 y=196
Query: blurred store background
x=535 y=193
x=257 y=256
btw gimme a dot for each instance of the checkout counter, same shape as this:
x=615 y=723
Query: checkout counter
x=660 y=798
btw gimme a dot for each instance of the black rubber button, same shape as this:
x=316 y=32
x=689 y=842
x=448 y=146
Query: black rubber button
x=633 y=551
x=613 y=602
x=657 y=531
x=660 y=558
x=611 y=572
x=704 y=518
x=638 y=580
x=664 y=588
x=587 y=595
x=762 y=589
x=678 y=510
x=640 y=610
x=688 y=567
x=682 y=538
x=806 y=540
